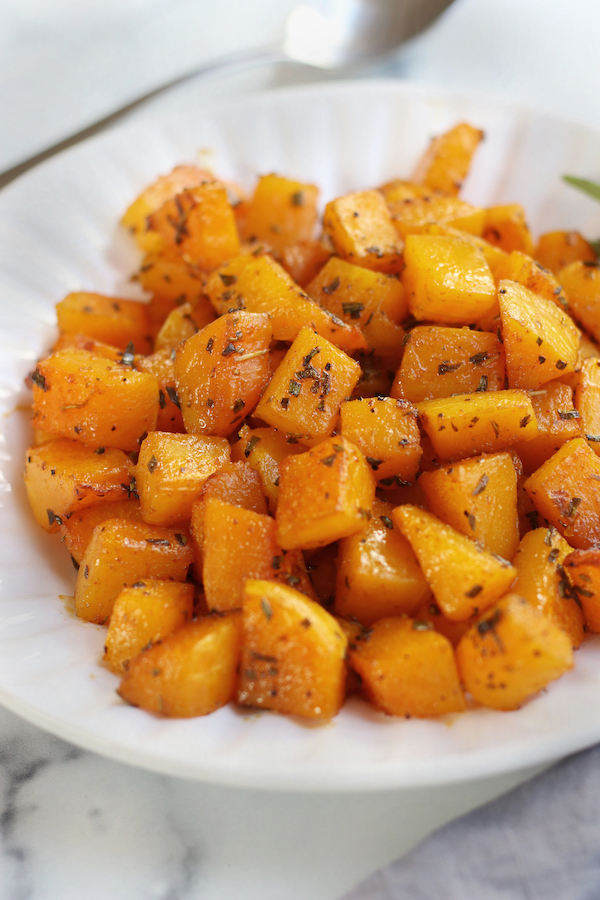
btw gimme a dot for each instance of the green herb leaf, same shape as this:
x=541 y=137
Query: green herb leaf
x=582 y=184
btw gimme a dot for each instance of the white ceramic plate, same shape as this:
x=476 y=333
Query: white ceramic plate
x=58 y=233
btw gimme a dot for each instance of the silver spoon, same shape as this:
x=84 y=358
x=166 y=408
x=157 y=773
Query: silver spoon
x=325 y=34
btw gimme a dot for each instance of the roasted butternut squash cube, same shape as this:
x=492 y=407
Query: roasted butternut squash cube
x=171 y=471
x=160 y=365
x=407 y=669
x=469 y=424
x=190 y=673
x=260 y=285
x=385 y=339
x=564 y=492
x=557 y=422
x=292 y=653
x=377 y=572
x=304 y=260
x=171 y=281
x=143 y=614
x=90 y=399
x=77 y=530
x=411 y=216
x=587 y=402
x=446 y=279
x=464 y=578
x=324 y=494
x=542 y=580
x=511 y=653
x=581 y=281
x=583 y=570
x=494 y=256
x=478 y=497
x=109 y=319
x=445 y=164
x=199 y=225
x=122 y=552
x=540 y=340
x=354 y=293
x=362 y=231
x=557 y=249
x=182 y=323
x=439 y=362
x=507 y=228
x=523 y=269
x=304 y=395
x=236 y=483
x=151 y=199
x=98 y=348
x=264 y=449
x=62 y=476
x=281 y=212
x=386 y=432
x=221 y=372
x=238 y=544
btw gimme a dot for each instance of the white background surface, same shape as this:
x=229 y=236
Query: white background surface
x=74 y=825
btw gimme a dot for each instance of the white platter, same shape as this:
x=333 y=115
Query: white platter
x=58 y=232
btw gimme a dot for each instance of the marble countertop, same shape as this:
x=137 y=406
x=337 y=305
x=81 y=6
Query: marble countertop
x=72 y=824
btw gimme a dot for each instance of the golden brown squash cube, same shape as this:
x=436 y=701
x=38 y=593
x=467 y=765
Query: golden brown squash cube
x=494 y=256
x=564 y=491
x=281 y=212
x=264 y=449
x=163 y=189
x=143 y=614
x=468 y=424
x=583 y=570
x=238 y=544
x=236 y=483
x=439 y=362
x=109 y=319
x=407 y=669
x=587 y=402
x=304 y=260
x=304 y=395
x=557 y=423
x=581 y=281
x=542 y=580
x=90 y=399
x=199 y=225
x=354 y=293
x=62 y=476
x=182 y=323
x=261 y=285
x=160 y=365
x=377 y=572
x=511 y=653
x=557 y=249
x=122 y=552
x=190 y=673
x=78 y=529
x=385 y=339
x=445 y=164
x=292 y=653
x=324 y=494
x=386 y=432
x=446 y=279
x=540 y=340
x=506 y=227
x=362 y=231
x=523 y=269
x=464 y=578
x=171 y=472
x=221 y=372
x=412 y=216
x=478 y=497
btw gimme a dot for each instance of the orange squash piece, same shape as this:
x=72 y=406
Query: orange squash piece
x=281 y=212
x=507 y=228
x=292 y=653
x=354 y=293
x=407 y=669
x=446 y=162
x=78 y=529
x=587 y=402
x=362 y=231
x=264 y=449
x=581 y=281
x=386 y=432
x=190 y=673
x=557 y=249
x=583 y=569
x=109 y=319
x=557 y=420
x=511 y=653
